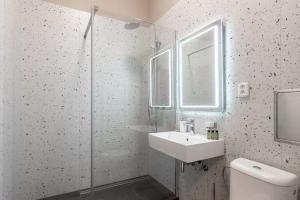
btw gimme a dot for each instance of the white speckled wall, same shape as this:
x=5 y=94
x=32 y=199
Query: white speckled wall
x=45 y=55
x=46 y=100
x=7 y=98
x=262 y=47
x=290 y=71
x=45 y=93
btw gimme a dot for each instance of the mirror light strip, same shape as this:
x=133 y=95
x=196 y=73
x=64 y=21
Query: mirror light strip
x=214 y=28
x=170 y=61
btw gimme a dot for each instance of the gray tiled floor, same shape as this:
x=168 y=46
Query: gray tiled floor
x=147 y=189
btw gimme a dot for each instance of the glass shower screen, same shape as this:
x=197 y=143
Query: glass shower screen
x=122 y=117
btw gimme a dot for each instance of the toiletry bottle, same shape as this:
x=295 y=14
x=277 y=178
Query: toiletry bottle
x=208 y=134
x=213 y=134
x=217 y=135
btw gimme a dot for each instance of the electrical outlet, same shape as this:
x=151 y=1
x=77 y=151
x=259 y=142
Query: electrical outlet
x=243 y=90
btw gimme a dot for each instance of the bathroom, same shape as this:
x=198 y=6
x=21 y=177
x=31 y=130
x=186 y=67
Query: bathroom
x=79 y=97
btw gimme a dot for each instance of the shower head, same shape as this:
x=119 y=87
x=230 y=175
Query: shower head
x=132 y=25
x=135 y=23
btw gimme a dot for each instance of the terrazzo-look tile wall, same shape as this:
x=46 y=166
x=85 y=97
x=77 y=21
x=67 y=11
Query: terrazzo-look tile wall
x=290 y=70
x=262 y=48
x=7 y=111
x=44 y=60
x=41 y=76
x=47 y=101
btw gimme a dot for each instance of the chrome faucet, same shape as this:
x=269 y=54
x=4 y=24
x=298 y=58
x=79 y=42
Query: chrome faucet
x=190 y=125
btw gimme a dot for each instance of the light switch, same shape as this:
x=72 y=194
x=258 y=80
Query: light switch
x=243 y=90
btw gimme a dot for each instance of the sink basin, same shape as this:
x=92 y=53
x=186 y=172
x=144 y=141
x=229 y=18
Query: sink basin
x=186 y=147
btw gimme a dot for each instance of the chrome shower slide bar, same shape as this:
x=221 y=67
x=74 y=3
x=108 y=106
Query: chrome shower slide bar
x=95 y=9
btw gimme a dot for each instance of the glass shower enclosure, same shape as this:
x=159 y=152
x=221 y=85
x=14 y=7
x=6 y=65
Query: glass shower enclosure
x=122 y=162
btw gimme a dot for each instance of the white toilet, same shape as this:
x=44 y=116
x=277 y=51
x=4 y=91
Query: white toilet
x=250 y=180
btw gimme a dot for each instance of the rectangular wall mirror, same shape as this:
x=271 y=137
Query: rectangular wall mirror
x=200 y=69
x=161 y=80
x=287 y=109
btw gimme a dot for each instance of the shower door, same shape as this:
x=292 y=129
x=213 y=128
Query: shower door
x=122 y=117
x=120 y=111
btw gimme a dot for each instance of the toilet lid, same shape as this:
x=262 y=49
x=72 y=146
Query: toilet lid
x=264 y=172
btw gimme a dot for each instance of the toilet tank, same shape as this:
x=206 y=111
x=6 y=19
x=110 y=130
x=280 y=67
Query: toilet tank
x=250 y=180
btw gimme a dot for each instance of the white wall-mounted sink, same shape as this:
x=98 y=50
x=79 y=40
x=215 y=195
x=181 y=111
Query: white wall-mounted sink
x=186 y=147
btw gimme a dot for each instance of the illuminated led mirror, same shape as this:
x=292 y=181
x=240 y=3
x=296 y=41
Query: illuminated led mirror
x=161 y=80
x=200 y=69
